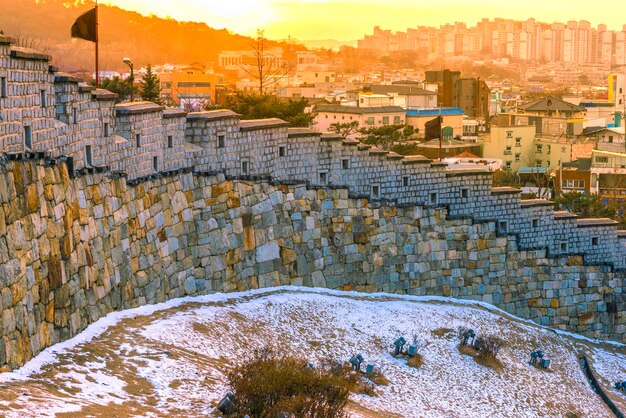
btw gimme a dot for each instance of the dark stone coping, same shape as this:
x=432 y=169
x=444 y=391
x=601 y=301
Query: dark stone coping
x=591 y=222
x=62 y=77
x=536 y=202
x=364 y=147
x=416 y=159
x=102 y=94
x=255 y=124
x=439 y=163
x=301 y=133
x=331 y=136
x=466 y=172
x=378 y=151
x=505 y=190
x=173 y=112
x=137 y=108
x=563 y=214
x=214 y=115
x=350 y=142
x=53 y=69
x=621 y=234
x=28 y=54
x=394 y=156
x=84 y=88
x=7 y=40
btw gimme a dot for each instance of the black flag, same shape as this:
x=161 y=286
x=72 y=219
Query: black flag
x=85 y=26
x=433 y=128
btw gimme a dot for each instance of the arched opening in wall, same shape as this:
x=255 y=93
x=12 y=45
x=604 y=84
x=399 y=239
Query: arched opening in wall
x=155 y=164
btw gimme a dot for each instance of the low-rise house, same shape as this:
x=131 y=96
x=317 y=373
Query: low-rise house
x=574 y=176
x=452 y=117
x=367 y=117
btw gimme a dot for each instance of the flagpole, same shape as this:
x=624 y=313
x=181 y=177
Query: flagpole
x=440 y=137
x=97 y=60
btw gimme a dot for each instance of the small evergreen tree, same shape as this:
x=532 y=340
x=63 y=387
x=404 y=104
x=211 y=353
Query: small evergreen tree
x=150 y=87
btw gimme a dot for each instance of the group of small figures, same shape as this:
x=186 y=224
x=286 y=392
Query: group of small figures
x=399 y=348
x=356 y=361
x=537 y=358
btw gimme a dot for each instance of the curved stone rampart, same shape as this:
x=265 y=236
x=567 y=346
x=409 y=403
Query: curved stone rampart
x=74 y=249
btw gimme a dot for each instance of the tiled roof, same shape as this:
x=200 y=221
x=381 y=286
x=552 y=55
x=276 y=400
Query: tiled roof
x=550 y=103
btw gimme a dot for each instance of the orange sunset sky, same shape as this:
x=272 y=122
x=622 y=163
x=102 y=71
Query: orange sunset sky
x=349 y=20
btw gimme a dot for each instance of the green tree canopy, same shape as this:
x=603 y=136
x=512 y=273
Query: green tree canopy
x=586 y=205
x=259 y=106
x=150 y=87
x=385 y=136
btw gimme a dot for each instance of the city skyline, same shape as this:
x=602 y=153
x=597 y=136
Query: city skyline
x=283 y=18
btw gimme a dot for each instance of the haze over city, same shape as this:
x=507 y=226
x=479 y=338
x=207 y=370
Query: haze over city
x=348 y=20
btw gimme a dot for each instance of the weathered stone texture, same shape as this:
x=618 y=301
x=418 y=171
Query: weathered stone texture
x=96 y=244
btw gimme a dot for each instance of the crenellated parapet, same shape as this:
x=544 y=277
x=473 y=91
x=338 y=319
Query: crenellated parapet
x=47 y=113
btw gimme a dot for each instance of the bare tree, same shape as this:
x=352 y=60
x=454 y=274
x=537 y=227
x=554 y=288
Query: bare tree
x=268 y=69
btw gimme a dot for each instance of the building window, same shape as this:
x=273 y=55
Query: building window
x=42 y=97
x=220 y=141
x=518 y=141
x=345 y=163
x=464 y=193
x=535 y=223
x=507 y=165
x=602 y=159
x=539 y=148
x=138 y=140
x=405 y=181
x=155 y=164
x=594 y=241
x=385 y=120
x=74 y=115
x=507 y=151
x=323 y=177
x=376 y=191
x=574 y=184
x=509 y=134
x=3 y=87
x=28 y=137
x=170 y=141
x=370 y=120
x=244 y=168
x=88 y=156
x=610 y=139
x=502 y=227
x=563 y=247
x=282 y=151
x=518 y=157
x=549 y=149
x=433 y=198
x=106 y=130
x=396 y=120
x=538 y=163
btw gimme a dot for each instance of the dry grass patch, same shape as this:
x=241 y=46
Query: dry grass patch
x=416 y=361
x=443 y=332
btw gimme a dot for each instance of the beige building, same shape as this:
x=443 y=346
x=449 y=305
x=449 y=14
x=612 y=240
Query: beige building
x=514 y=145
x=367 y=117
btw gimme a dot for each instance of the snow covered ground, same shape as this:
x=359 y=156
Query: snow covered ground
x=171 y=359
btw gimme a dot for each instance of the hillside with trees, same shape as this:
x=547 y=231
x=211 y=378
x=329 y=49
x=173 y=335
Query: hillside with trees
x=45 y=25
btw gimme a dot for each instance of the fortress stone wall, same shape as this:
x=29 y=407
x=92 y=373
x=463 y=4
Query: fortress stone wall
x=105 y=207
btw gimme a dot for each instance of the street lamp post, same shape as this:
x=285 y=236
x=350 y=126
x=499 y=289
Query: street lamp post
x=128 y=62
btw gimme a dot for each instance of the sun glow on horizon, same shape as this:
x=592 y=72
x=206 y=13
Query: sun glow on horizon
x=351 y=19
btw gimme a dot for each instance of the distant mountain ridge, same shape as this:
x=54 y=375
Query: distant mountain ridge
x=45 y=25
